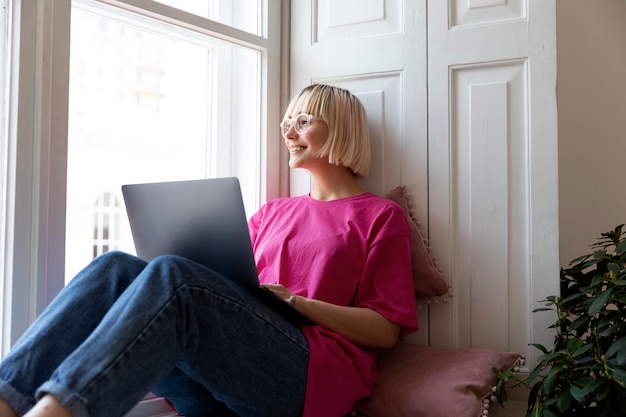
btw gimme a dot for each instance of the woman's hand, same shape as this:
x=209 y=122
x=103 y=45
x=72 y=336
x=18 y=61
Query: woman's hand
x=361 y=326
x=282 y=292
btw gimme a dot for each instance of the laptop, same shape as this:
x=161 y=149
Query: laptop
x=204 y=221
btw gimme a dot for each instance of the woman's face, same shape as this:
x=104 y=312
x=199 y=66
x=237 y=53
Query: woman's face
x=305 y=147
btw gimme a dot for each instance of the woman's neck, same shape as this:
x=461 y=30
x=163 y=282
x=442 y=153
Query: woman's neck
x=332 y=184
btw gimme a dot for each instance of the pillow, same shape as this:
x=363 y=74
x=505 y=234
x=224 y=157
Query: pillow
x=428 y=279
x=422 y=381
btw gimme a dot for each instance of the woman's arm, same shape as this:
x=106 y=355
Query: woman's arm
x=359 y=325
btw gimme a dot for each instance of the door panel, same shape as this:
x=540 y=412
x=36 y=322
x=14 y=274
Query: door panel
x=492 y=169
x=475 y=12
x=375 y=49
x=461 y=101
x=488 y=165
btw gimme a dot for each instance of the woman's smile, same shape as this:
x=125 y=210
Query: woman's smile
x=305 y=148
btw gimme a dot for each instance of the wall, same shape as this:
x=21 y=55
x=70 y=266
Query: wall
x=591 y=45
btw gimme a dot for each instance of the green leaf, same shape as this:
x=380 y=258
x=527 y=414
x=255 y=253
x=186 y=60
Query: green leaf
x=599 y=302
x=533 y=375
x=599 y=254
x=570 y=298
x=619 y=374
x=621 y=247
x=618 y=345
x=552 y=378
x=579 y=259
x=540 y=347
x=579 y=322
x=564 y=401
x=573 y=345
x=578 y=393
x=615 y=327
x=506 y=374
x=549 y=402
x=552 y=299
x=613 y=268
x=547 y=357
x=546 y=412
x=609 y=318
x=603 y=390
x=540 y=309
x=582 y=350
x=593 y=385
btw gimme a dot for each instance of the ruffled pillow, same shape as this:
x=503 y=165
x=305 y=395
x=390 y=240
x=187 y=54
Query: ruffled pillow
x=428 y=279
x=417 y=380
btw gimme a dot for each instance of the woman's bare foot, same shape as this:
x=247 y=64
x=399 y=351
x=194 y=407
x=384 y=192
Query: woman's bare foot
x=48 y=406
x=6 y=410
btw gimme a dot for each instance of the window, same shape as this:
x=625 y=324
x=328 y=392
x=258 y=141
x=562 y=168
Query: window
x=153 y=92
x=4 y=62
x=106 y=224
x=241 y=14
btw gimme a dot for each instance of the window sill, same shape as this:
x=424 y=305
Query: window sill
x=152 y=406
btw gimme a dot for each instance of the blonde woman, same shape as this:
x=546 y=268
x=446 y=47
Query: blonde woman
x=339 y=255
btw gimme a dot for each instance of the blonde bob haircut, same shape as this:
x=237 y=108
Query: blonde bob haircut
x=348 y=142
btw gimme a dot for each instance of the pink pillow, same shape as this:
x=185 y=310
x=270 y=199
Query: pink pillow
x=423 y=381
x=428 y=279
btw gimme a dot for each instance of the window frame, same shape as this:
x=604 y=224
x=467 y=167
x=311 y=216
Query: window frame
x=35 y=139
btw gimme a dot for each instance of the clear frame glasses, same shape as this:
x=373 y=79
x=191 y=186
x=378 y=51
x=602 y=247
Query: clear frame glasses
x=300 y=123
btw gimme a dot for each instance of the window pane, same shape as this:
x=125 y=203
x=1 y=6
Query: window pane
x=4 y=64
x=4 y=89
x=241 y=14
x=147 y=107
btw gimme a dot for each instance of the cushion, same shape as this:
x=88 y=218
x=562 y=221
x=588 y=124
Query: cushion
x=428 y=279
x=422 y=381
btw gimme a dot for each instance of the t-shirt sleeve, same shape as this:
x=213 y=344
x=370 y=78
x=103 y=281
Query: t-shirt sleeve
x=387 y=283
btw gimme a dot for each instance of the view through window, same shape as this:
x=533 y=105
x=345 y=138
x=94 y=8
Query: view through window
x=241 y=14
x=147 y=104
x=4 y=29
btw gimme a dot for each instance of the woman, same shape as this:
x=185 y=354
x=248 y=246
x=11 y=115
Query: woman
x=339 y=255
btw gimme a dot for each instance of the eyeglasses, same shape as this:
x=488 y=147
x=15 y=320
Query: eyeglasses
x=300 y=123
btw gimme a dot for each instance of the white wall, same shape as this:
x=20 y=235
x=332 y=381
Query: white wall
x=591 y=45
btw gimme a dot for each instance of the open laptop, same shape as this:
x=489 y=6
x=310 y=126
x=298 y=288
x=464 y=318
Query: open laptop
x=202 y=220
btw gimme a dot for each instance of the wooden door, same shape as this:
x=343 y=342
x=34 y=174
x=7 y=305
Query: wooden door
x=493 y=196
x=462 y=106
x=377 y=50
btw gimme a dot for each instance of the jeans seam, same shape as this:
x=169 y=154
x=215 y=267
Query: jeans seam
x=253 y=312
x=174 y=295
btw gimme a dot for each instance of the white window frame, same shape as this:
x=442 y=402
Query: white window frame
x=35 y=137
x=5 y=13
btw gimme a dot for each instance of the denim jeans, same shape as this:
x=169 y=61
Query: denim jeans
x=123 y=327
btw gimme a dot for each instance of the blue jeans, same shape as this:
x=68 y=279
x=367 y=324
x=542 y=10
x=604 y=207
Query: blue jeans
x=122 y=328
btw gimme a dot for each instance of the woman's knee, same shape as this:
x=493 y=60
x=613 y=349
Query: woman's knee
x=111 y=268
x=116 y=257
x=178 y=264
x=175 y=270
x=169 y=269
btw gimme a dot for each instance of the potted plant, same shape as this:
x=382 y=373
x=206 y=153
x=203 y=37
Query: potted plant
x=584 y=371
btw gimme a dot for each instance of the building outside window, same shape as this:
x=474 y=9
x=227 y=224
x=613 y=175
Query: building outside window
x=154 y=91
x=106 y=224
x=145 y=105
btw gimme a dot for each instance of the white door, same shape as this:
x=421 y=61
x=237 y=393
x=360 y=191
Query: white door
x=493 y=197
x=377 y=50
x=461 y=97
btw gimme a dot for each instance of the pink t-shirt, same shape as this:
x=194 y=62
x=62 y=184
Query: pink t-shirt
x=354 y=251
